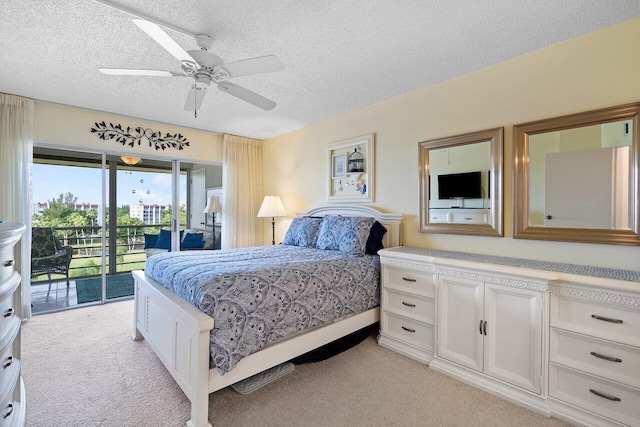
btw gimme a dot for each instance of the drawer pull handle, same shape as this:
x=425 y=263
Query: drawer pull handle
x=8 y=312
x=484 y=327
x=9 y=411
x=408 y=304
x=468 y=219
x=609 y=358
x=8 y=263
x=606 y=319
x=406 y=279
x=605 y=396
x=408 y=329
x=7 y=362
x=480 y=327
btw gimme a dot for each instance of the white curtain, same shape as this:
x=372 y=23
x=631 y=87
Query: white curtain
x=16 y=156
x=242 y=184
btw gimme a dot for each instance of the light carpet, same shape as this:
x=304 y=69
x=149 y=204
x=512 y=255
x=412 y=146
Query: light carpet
x=81 y=368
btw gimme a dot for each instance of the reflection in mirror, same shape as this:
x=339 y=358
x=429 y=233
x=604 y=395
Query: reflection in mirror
x=579 y=176
x=461 y=184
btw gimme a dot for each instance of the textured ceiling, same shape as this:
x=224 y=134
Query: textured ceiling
x=339 y=55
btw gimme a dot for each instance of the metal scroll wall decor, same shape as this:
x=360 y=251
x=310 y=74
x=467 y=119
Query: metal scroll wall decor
x=134 y=136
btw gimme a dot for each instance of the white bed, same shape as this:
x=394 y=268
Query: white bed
x=179 y=333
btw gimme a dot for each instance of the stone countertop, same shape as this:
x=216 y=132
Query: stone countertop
x=581 y=270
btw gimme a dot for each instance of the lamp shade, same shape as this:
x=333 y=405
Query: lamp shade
x=271 y=207
x=213 y=205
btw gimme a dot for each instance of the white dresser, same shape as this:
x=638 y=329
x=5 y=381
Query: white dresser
x=12 y=394
x=459 y=216
x=560 y=339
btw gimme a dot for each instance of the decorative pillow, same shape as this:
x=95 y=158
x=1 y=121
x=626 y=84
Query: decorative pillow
x=192 y=241
x=303 y=232
x=374 y=242
x=347 y=234
x=164 y=240
x=150 y=240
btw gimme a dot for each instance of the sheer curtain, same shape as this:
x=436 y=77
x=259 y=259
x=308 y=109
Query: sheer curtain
x=16 y=155
x=242 y=184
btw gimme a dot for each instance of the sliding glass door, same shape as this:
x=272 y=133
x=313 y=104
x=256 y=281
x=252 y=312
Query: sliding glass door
x=94 y=219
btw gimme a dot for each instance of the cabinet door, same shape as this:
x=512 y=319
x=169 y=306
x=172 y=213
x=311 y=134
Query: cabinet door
x=513 y=344
x=459 y=317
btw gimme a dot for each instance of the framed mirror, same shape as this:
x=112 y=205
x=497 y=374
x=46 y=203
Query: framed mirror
x=576 y=177
x=461 y=184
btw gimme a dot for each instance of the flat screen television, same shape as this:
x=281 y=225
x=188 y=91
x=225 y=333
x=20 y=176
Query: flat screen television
x=466 y=185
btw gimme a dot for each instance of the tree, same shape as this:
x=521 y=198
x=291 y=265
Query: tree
x=166 y=215
x=61 y=212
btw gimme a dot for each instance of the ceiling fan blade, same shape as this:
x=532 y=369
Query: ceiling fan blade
x=130 y=72
x=163 y=39
x=259 y=65
x=246 y=95
x=194 y=98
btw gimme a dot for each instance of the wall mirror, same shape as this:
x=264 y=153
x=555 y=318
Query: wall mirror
x=461 y=184
x=576 y=177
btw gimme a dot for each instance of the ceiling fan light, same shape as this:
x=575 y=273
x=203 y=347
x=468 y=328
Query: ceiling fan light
x=130 y=160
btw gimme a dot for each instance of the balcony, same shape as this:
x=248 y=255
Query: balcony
x=85 y=271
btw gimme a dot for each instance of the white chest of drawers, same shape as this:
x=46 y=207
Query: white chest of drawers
x=562 y=340
x=408 y=309
x=12 y=395
x=594 y=352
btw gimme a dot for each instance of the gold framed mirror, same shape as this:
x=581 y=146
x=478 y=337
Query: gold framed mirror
x=576 y=177
x=461 y=184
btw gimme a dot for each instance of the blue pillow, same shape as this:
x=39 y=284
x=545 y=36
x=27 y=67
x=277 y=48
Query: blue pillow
x=347 y=234
x=192 y=241
x=303 y=232
x=150 y=240
x=164 y=240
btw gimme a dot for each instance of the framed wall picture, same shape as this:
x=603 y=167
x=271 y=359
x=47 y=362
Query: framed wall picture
x=351 y=170
x=338 y=166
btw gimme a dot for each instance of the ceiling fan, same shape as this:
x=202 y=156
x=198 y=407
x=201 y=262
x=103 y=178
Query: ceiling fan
x=205 y=68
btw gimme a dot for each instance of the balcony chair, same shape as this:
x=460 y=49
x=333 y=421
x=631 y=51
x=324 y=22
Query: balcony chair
x=48 y=256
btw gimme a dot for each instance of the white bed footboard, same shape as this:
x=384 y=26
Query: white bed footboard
x=179 y=335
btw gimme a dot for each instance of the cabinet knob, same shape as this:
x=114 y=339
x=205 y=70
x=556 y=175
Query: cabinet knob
x=548 y=217
x=8 y=411
x=8 y=312
x=8 y=361
x=8 y=263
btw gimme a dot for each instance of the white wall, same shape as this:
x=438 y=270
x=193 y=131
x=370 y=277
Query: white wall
x=574 y=76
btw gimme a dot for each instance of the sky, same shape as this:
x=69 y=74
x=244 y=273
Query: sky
x=49 y=181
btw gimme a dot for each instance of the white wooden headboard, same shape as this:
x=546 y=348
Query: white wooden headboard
x=391 y=221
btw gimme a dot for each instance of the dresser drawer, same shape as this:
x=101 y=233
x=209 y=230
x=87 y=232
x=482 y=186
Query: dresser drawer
x=608 y=321
x=409 y=281
x=609 y=399
x=7 y=262
x=469 y=217
x=439 y=216
x=603 y=358
x=408 y=330
x=409 y=305
x=7 y=311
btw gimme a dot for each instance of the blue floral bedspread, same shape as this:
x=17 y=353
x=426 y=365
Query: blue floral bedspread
x=258 y=296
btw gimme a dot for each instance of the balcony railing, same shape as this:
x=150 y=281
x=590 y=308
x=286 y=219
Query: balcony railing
x=87 y=249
